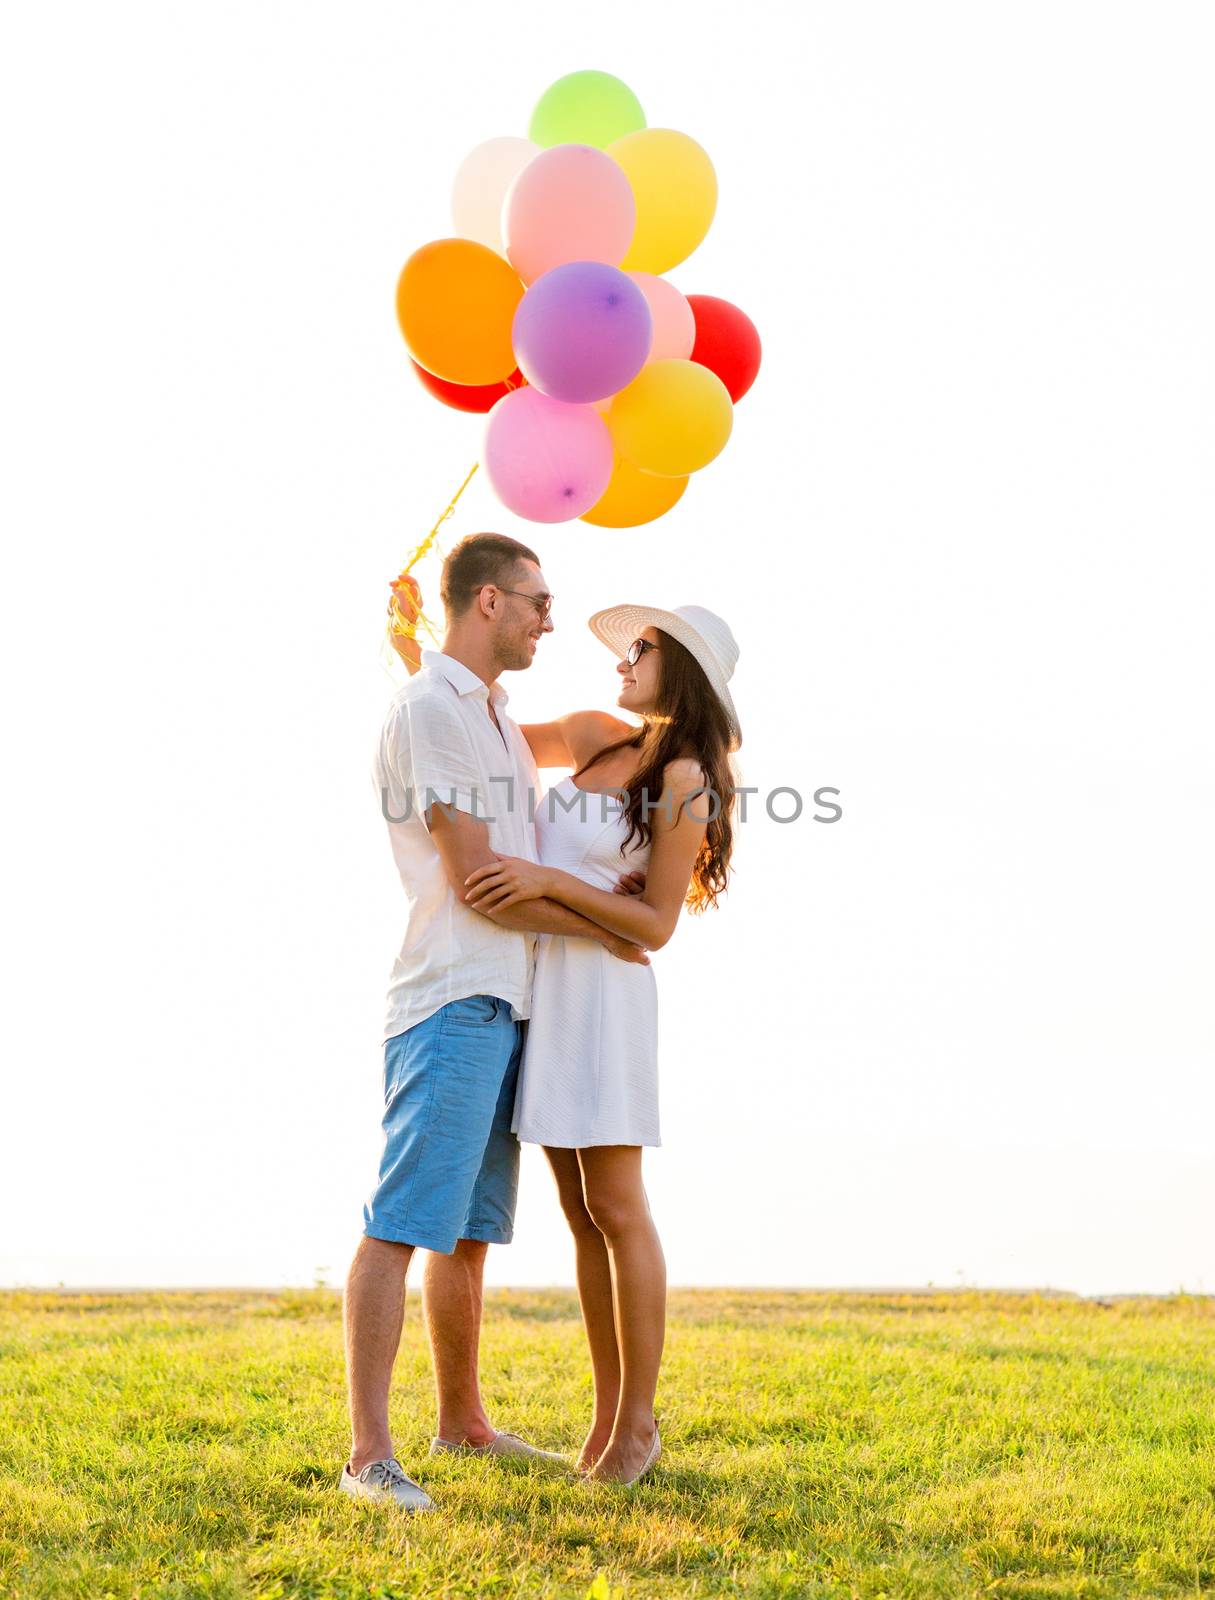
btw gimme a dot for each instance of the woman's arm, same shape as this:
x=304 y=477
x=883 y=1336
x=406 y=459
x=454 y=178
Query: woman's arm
x=462 y=840
x=572 y=740
x=648 y=918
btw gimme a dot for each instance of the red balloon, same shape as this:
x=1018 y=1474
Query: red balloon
x=726 y=342
x=467 y=396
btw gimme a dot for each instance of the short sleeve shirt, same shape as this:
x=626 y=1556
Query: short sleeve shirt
x=439 y=745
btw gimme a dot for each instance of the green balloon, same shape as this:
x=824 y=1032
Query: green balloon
x=585 y=108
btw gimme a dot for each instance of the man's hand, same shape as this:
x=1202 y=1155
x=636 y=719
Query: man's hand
x=406 y=602
x=630 y=883
x=625 y=950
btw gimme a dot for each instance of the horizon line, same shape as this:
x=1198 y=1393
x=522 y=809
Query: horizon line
x=1046 y=1291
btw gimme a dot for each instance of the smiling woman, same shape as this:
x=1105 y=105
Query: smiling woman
x=588 y=1082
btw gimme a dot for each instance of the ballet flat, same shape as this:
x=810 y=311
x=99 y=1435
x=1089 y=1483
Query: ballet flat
x=650 y=1462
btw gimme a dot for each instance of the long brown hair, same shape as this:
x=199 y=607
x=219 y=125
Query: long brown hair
x=688 y=719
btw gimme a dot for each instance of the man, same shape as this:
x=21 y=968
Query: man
x=456 y=779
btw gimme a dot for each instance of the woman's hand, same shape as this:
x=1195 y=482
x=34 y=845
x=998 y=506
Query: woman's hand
x=506 y=881
x=406 y=602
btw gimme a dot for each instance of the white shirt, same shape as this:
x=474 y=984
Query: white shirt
x=440 y=744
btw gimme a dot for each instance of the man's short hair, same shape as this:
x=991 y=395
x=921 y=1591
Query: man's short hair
x=480 y=558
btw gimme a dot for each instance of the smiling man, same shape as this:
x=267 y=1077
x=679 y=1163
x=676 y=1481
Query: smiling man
x=457 y=782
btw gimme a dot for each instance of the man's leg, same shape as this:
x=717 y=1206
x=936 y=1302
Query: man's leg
x=417 y=1201
x=452 y=1285
x=451 y=1300
x=374 y=1310
x=448 y=1176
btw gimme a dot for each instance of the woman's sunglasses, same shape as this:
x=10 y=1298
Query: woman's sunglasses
x=637 y=649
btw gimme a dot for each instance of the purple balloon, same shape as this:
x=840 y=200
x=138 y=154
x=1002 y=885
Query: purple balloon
x=582 y=332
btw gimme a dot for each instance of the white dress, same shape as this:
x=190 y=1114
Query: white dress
x=589 y=1073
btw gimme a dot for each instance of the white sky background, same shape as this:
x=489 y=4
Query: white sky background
x=962 y=530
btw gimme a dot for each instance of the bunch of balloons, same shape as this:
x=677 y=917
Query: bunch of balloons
x=605 y=387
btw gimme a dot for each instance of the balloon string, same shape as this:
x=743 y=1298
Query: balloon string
x=398 y=623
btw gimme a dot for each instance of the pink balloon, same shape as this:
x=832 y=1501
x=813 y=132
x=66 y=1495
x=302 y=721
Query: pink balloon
x=546 y=460
x=674 y=322
x=570 y=203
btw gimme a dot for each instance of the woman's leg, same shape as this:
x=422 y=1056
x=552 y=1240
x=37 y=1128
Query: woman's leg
x=616 y=1200
x=595 y=1294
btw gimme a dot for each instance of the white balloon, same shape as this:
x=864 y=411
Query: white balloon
x=485 y=175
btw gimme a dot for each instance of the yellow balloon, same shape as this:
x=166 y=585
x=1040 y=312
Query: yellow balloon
x=633 y=497
x=675 y=188
x=672 y=419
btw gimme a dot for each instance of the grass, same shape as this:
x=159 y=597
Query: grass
x=817 y=1444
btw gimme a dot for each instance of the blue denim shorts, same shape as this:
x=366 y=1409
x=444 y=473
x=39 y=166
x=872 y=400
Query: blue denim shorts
x=450 y=1164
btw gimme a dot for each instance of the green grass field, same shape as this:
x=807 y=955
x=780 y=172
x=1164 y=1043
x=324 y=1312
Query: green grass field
x=187 y=1444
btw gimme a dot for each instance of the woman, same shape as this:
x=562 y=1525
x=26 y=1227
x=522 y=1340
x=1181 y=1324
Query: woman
x=655 y=801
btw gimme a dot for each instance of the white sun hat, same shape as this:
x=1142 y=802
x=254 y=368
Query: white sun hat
x=703 y=633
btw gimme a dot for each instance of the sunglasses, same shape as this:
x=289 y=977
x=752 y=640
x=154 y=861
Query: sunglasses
x=542 y=602
x=637 y=649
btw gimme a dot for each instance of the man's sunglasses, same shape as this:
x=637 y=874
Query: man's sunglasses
x=542 y=602
x=637 y=649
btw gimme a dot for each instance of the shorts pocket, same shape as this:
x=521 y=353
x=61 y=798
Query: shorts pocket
x=473 y=1008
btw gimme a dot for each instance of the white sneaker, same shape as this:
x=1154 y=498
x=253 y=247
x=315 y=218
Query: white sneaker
x=502 y=1444
x=385 y=1480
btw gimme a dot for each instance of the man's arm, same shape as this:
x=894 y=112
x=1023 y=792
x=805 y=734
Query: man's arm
x=463 y=844
x=404 y=613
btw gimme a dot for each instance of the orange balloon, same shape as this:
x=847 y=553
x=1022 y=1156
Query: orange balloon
x=456 y=303
x=633 y=497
